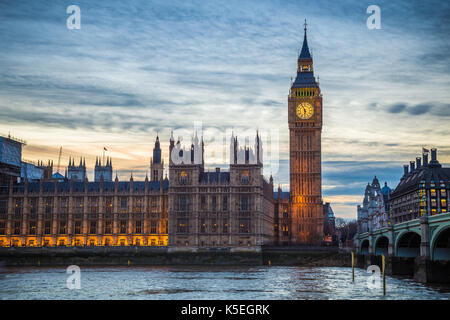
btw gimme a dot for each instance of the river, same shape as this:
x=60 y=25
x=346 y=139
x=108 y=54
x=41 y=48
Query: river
x=216 y=283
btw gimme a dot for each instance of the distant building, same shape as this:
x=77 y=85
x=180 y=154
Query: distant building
x=329 y=225
x=374 y=212
x=10 y=159
x=423 y=190
x=282 y=220
x=31 y=172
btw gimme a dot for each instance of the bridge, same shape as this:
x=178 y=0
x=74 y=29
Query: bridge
x=419 y=248
x=428 y=237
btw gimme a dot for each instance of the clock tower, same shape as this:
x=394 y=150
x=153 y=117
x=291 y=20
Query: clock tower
x=305 y=165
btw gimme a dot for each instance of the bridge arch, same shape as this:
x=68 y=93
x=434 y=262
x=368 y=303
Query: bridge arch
x=381 y=245
x=408 y=244
x=440 y=244
x=364 y=249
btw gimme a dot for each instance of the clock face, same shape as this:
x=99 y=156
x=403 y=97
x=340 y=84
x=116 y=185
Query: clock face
x=304 y=110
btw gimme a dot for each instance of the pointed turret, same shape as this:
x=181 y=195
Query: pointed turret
x=304 y=53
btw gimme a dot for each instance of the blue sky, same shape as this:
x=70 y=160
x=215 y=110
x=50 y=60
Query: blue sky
x=134 y=69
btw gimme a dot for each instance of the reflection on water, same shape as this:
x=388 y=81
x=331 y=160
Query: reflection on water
x=217 y=283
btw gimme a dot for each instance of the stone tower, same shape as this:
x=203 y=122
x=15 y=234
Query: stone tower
x=104 y=170
x=156 y=163
x=76 y=173
x=305 y=129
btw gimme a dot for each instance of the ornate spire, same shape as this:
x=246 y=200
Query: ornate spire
x=304 y=53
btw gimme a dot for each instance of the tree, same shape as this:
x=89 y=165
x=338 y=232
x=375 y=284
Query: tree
x=346 y=229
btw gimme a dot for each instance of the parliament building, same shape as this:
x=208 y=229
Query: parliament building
x=191 y=207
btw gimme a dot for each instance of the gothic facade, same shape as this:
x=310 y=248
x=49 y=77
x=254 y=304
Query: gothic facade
x=373 y=214
x=75 y=212
x=220 y=208
x=197 y=209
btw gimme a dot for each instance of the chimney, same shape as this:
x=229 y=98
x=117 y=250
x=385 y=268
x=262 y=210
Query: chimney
x=418 y=162
x=433 y=154
x=412 y=165
x=425 y=159
x=405 y=169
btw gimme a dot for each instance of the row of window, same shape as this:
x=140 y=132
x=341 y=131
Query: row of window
x=184 y=203
x=78 y=243
x=78 y=205
x=183 y=226
x=92 y=227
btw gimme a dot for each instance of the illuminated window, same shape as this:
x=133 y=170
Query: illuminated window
x=182 y=226
x=225 y=226
x=244 y=225
x=109 y=205
x=433 y=192
x=139 y=205
x=244 y=176
x=18 y=207
x=285 y=230
x=32 y=227
x=202 y=226
x=183 y=177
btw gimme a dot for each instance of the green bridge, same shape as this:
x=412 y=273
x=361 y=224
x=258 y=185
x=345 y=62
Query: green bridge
x=427 y=237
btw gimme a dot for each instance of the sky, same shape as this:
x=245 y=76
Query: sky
x=137 y=69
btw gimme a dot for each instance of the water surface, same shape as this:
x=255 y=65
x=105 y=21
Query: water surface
x=217 y=283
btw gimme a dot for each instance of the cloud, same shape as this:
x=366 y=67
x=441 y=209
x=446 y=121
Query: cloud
x=436 y=108
x=397 y=108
